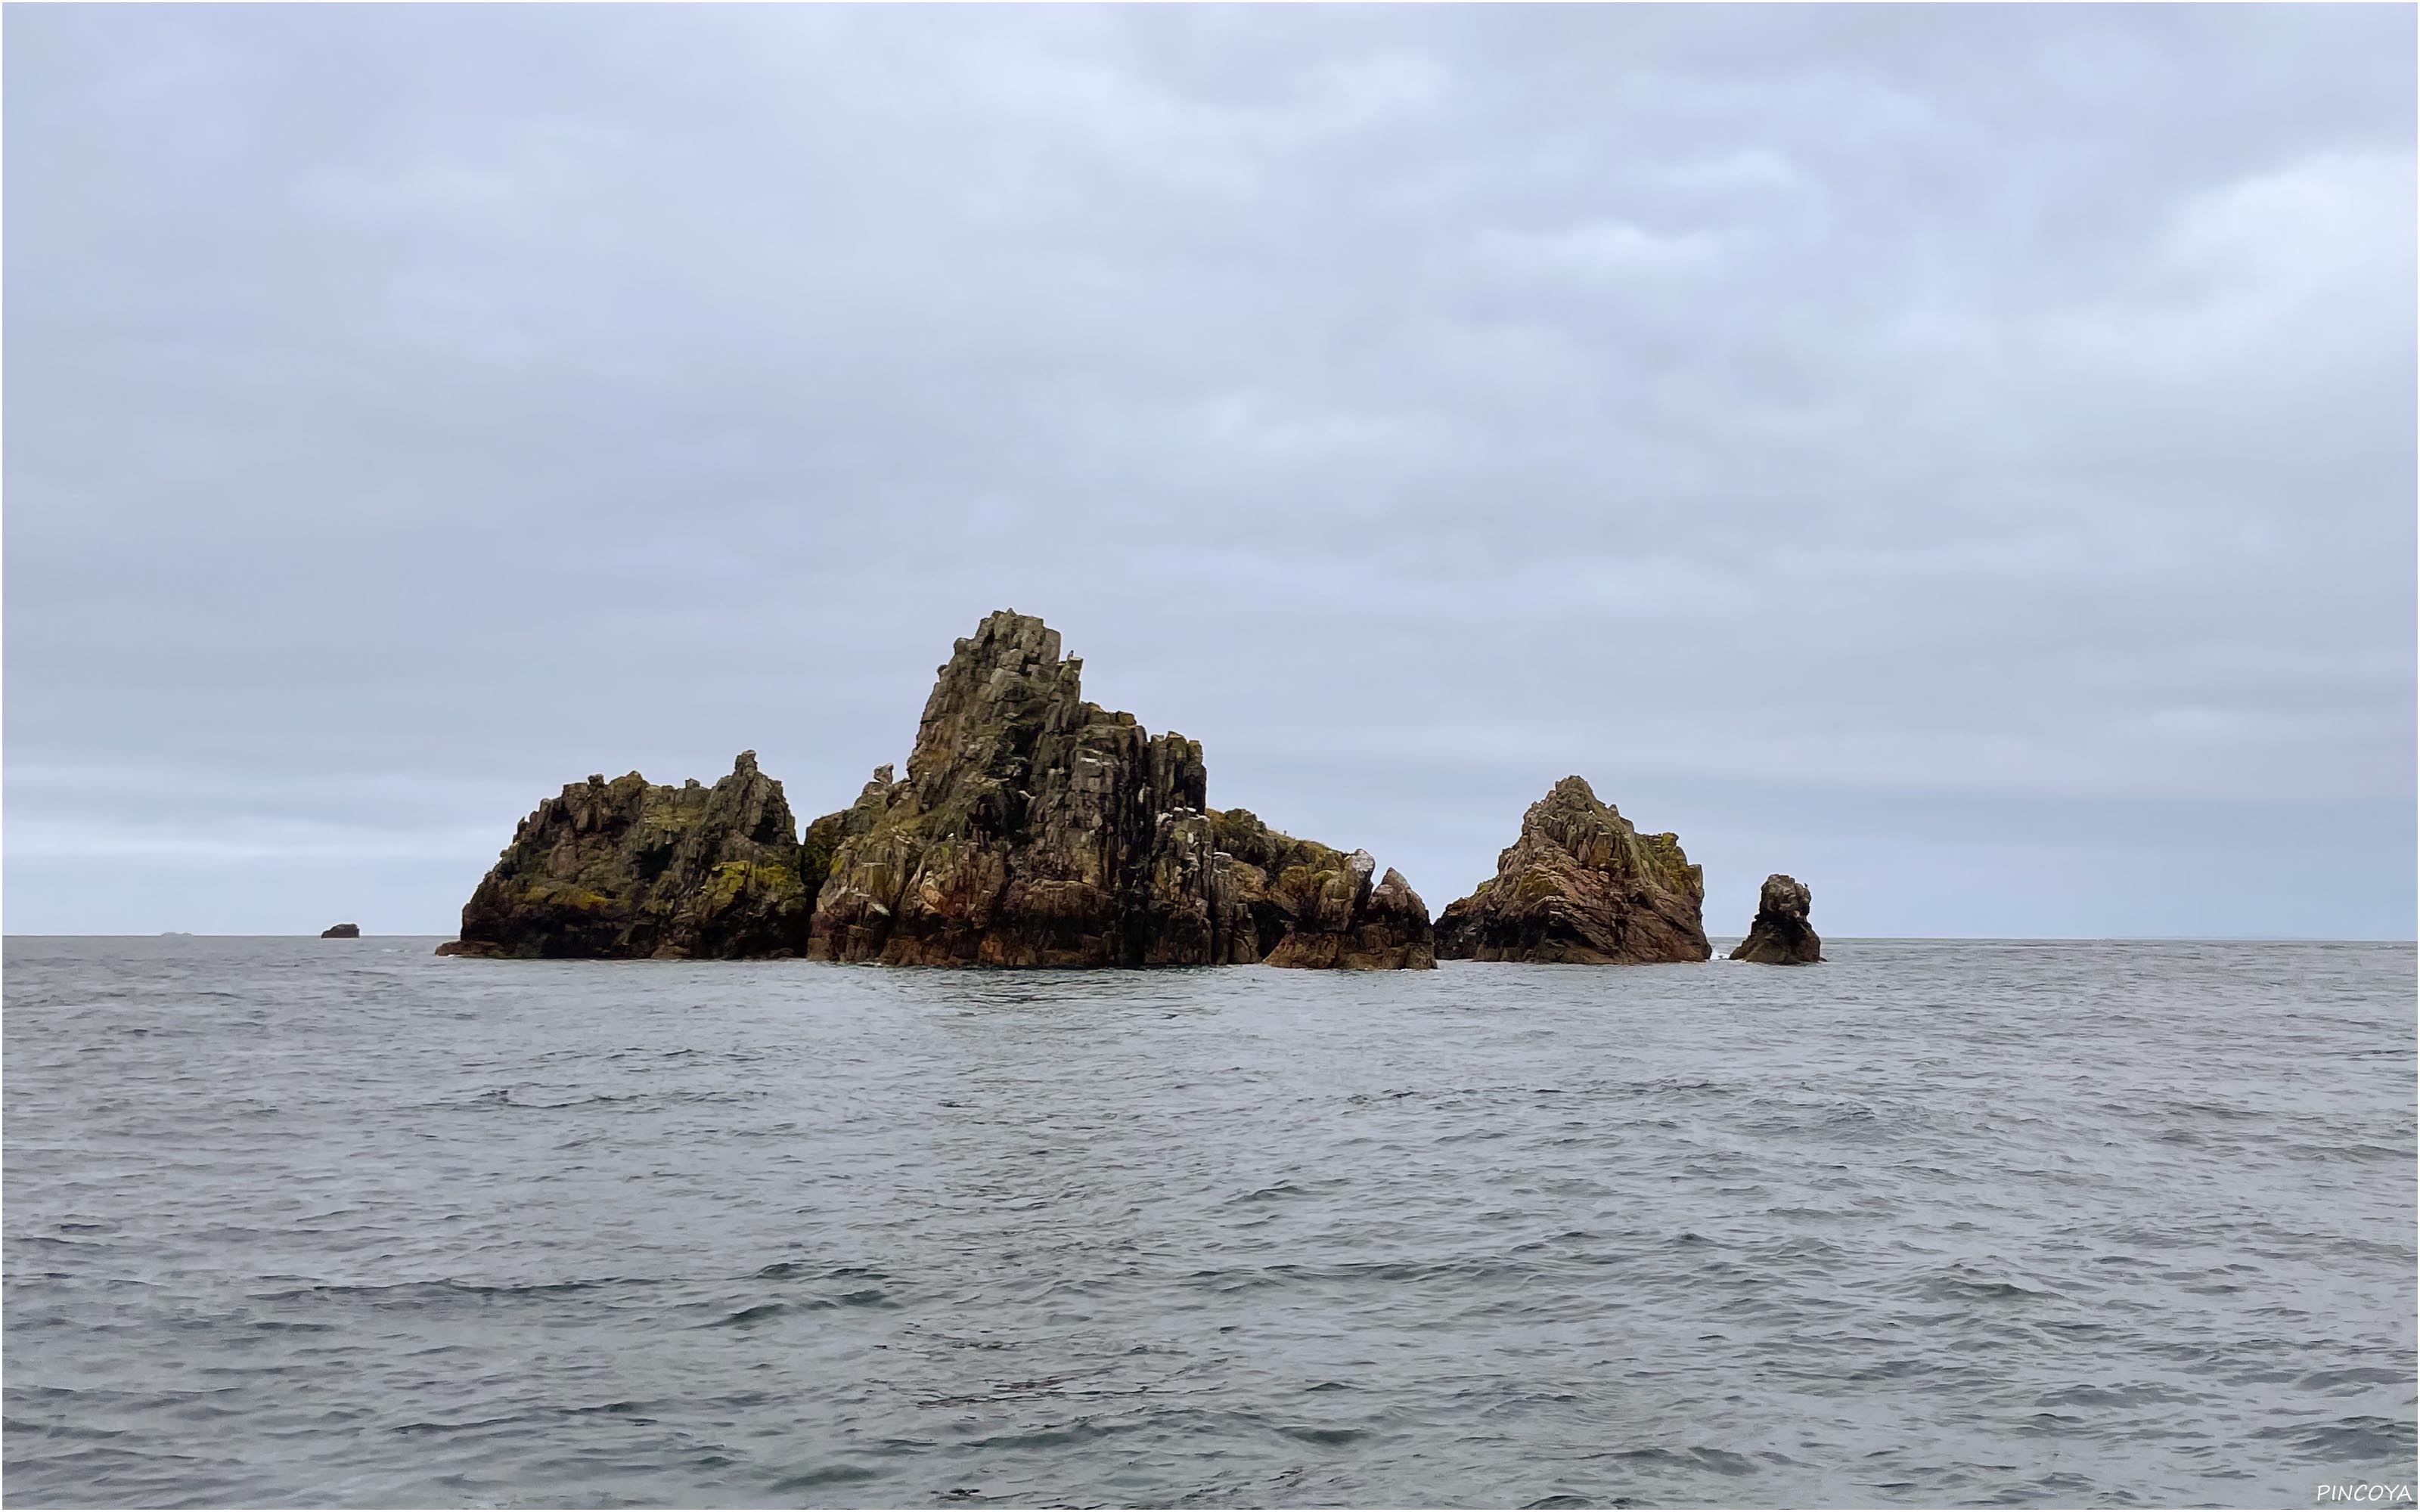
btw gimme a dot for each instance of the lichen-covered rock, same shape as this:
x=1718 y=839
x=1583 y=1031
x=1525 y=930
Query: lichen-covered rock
x=1340 y=921
x=1581 y=885
x=1034 y=828
x=341 y=932
x=1271 y=874
x=1780 y=936
x=628 y=868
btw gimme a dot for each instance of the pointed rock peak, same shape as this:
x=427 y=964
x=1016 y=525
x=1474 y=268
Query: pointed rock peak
x=1580 y=884
x=875 y=795
x=1573 y=795
x=1398 y=895
x=1008 y=651
x=1006 y=636
x=1000 y=689
x=744 y=762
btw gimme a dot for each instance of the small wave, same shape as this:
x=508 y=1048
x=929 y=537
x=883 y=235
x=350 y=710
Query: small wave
x=412 y=1294
x=1082 y=1431
x=630 y=1411
x=2133 y=1394
x=1721 y=1461
x=2353 y=1441
x=807 y=1480
x=2355 y=1377
x=1287 y=1191
x=781 y=1269
x=1324 y=1436
x=1252 y=1278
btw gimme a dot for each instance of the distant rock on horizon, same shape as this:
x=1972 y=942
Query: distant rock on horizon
x=1034 y=829
x=1780 y=936
x=341 y=932
x=1581 y=885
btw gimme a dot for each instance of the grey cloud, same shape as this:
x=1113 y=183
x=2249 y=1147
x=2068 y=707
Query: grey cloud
x=1788 y=417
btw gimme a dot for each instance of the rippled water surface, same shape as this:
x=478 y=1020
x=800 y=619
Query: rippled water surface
x=342 y=1222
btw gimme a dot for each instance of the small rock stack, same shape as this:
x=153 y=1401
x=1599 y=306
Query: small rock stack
x=1780 y=936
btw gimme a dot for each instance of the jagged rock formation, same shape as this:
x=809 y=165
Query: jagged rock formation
x=341 y=932
x=1781 y=935
x=626 y=867
x=1309 y=905
x=1581 y=885
x=1036 y=828
x=1345 y=921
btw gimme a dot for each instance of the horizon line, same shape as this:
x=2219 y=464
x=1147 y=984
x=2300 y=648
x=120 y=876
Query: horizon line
x=1829 y=939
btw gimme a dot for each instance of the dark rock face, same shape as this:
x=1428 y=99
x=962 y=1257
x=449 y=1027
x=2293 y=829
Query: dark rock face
x=1035 y=828
x=1306 y=904
x=1581 y=885
x=627 y=869
x=1781 y=935
x=1340 y=920
x=341 y=932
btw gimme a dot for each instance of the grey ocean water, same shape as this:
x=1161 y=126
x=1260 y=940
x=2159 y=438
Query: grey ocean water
x=340 y=1223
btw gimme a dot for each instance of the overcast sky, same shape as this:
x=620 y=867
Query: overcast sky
x=1964 y=457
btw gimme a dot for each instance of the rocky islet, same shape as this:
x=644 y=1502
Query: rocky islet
x=1780 y=935
x=1581 y=886
x=633 y=868
x=1035 y=828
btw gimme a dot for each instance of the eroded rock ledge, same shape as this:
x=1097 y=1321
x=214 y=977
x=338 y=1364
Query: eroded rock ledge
x=1581 y=885
x=1034 y=829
